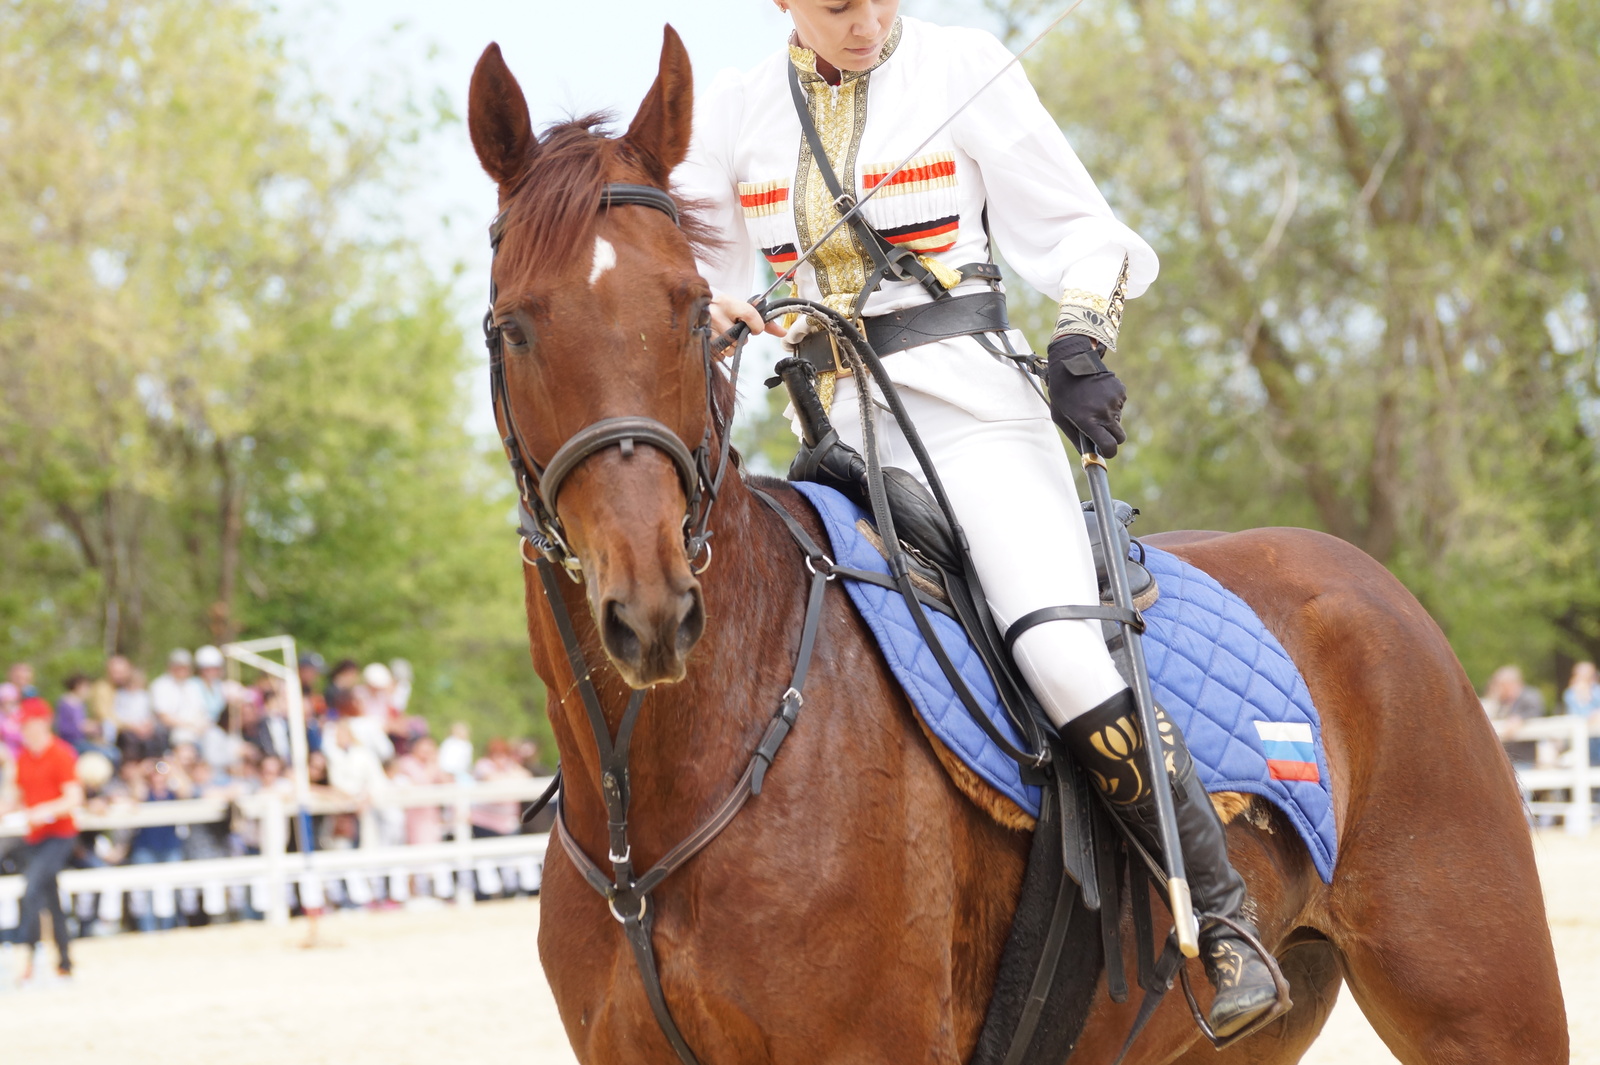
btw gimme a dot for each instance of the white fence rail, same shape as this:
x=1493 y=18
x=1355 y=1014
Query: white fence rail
x=273 y=881
x=1562 y=766
x=1562 y=785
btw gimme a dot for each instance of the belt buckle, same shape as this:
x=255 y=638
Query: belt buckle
x=839 y=368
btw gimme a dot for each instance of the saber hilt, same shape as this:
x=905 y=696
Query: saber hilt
x=1138 y=673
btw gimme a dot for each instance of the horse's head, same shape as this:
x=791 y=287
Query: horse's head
x=600 y=314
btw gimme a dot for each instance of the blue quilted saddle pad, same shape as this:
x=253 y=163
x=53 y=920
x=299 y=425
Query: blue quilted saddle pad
x=1219 y=673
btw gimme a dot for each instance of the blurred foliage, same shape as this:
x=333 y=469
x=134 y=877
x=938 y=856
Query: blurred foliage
x=1379 y=226
x=222 y=412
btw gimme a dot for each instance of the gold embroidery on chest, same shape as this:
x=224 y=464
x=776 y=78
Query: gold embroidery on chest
x=840 y=113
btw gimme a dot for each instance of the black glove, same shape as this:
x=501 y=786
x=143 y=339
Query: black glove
x=1085 y=398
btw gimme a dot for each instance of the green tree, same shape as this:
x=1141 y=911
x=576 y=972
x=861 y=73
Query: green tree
x=1379 y=223
x=223 y=410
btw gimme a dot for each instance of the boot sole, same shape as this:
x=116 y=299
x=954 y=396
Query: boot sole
x=1242 y=1016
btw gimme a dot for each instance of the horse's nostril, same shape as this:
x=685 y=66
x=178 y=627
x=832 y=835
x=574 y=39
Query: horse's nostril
x=693 y=623
x=619 y=636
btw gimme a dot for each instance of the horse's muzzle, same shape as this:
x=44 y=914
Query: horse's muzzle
x=649 y=637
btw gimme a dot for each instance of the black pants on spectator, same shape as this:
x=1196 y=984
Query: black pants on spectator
x=45 y=859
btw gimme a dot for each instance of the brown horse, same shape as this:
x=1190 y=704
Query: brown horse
x=855 y=911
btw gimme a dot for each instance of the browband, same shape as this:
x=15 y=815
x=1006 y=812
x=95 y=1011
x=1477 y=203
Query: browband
x=612 y=195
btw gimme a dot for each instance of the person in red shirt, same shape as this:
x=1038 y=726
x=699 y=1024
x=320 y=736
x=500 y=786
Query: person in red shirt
x=47 y=781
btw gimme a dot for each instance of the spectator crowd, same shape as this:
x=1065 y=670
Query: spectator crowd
x=192 y=732
x=1510 y=700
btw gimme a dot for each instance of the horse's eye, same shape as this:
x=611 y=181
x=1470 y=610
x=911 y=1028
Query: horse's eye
x=512 y=334
x=702 y=318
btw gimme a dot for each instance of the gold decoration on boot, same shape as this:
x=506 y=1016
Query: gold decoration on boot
x=1169 y=741
x=1120 y=743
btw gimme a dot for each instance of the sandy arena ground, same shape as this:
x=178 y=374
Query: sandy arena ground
x=464 y=986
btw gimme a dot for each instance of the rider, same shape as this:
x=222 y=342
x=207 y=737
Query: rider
x=873 y=85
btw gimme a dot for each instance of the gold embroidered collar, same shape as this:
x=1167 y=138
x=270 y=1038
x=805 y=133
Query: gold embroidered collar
x=805 y=60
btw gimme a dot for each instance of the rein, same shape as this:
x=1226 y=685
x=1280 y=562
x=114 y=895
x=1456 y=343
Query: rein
x=627 y=895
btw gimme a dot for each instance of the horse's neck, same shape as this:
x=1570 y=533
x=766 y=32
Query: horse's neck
x=694 y=738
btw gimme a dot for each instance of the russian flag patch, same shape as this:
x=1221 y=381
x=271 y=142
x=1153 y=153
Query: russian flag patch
x=1290 y=750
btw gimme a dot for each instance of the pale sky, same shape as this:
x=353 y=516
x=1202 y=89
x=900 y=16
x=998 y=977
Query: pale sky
x=570 y=57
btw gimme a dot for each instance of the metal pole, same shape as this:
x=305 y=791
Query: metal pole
x=294 y=701
x=274 y=847
x=1182 y=905
x=289 y=673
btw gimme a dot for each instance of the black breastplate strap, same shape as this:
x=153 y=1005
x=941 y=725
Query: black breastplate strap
x=628 y=896
x=889 y=260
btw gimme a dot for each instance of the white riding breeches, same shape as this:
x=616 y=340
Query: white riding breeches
x=1011 y=485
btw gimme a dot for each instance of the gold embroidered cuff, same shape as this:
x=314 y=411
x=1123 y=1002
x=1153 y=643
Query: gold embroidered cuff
x=1091 y=314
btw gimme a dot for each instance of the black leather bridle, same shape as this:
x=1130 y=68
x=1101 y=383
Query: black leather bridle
x=627 y=894
x=539 y=487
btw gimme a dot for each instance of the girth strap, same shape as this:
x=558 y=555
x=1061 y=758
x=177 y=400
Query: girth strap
x=1044 y=973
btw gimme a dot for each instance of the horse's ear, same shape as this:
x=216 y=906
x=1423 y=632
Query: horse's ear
x=497 y=118
x=659 y=135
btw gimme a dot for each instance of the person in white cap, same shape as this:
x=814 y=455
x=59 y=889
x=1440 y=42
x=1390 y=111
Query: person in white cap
x=179 y=699
x=369 y=724
x=208 y=660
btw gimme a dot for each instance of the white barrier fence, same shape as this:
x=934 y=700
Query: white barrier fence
x=273 y=882
x=1562 y=766
x=277 y=879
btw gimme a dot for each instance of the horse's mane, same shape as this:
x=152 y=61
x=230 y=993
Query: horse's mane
x=554 y=204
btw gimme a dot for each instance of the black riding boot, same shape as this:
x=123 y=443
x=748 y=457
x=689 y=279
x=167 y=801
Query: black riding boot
x=1109 y=743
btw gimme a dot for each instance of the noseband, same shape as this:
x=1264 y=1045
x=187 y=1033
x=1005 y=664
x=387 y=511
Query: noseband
x=539 y=487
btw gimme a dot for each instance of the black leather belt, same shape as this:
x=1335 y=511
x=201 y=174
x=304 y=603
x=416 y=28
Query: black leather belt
x=958 y=316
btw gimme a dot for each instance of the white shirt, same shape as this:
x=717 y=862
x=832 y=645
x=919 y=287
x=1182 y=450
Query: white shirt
x=131 y=707
x=356 y=771
x=1004 y=152
x=455 y=757
x=183 y=702
x=368 y=731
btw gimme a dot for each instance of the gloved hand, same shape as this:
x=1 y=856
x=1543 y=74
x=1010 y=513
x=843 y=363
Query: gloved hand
x=1085 y=398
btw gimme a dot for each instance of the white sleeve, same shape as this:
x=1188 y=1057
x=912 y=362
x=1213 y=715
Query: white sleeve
x=709 y=176
x=1052 y=224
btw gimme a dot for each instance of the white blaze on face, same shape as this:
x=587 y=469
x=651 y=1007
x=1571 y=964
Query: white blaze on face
x=605 y=257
